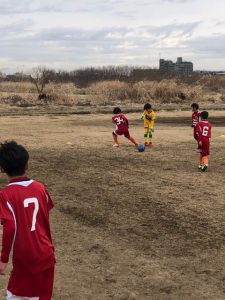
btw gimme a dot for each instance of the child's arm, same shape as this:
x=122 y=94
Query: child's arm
x=7 y=241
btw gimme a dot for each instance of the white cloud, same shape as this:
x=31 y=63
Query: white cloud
x=71 y=34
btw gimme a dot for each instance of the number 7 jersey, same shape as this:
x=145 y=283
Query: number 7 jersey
x=27 y=203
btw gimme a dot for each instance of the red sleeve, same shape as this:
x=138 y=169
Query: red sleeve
x=49 y=200
x=7 y=239
x=5 y=212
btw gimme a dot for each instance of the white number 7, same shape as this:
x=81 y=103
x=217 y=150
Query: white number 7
x=26 y=203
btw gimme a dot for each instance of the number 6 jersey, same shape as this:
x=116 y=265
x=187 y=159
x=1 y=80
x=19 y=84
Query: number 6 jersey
x=25 y=205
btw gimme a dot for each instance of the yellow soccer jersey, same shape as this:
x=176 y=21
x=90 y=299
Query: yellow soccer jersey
x=149 y=118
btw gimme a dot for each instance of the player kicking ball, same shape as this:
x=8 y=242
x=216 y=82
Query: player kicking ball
x=122 y=127
x=24 y=214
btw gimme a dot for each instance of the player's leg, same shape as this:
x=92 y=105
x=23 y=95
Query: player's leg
x=115 y=139
x=133 y=140
x=205 y=153
x=205 y=163
x=146 y=135
x=130 y=138
x=150 y=136
x=200 y=162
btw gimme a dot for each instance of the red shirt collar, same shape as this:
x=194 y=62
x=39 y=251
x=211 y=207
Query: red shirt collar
x=18 y=179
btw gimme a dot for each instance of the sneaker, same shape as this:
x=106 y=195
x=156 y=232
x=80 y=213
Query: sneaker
x=116 y=145
x=204 y=168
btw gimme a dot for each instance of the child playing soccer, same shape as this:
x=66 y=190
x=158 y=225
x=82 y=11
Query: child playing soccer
x=203 y=130
x=149 y=119
x=122 y=126
x=24 y=214
x=195 y=118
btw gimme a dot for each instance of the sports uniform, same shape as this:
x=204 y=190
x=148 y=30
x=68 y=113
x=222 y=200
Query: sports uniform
x=122 y=125
x=196 y=116
x=149 y=121
x=24 y=213
x=203 y=129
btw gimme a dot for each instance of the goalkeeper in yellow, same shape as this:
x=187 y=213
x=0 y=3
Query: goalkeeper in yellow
x=149 y=119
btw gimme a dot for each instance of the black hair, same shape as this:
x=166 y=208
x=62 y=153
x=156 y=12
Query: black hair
x=204 y=115
x=13 y=158
x=195 y=105
x=117 y=110
x=147 y=106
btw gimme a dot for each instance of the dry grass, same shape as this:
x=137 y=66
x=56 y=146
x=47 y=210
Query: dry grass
x=207 y=89
x=128 y=225
x=214 y=83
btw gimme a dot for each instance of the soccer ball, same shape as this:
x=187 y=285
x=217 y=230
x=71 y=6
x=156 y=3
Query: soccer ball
x=141 y=148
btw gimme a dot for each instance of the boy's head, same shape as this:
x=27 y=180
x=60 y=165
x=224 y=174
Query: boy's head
x=204 y=115
x=147 y=106
x=13 y=159
x=117 y=111
x=194 y=106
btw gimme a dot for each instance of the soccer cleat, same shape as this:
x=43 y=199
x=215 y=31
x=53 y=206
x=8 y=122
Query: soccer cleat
x=204 y=168
x=200 y=167
x=149 y=144
x=116 y=145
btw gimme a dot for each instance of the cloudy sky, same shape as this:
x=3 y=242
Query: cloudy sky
x=70 y=34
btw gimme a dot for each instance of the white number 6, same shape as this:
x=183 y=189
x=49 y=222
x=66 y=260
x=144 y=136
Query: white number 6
x=26 y=203
x=205 y=131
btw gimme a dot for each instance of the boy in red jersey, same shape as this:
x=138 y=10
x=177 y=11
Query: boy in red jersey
x=24 y=214
x=203 y=129
x=195 y=117
x=122 y=126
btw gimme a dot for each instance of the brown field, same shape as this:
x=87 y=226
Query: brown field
x=129 y=225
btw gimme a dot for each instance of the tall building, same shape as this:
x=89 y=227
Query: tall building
x=180 y=66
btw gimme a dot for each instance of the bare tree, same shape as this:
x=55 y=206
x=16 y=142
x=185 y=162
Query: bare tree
x=40 y=76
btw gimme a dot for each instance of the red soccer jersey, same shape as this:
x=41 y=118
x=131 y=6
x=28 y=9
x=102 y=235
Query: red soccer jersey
x=27 y=203
x=121 y=122
x=195 y=118
x=203 y=129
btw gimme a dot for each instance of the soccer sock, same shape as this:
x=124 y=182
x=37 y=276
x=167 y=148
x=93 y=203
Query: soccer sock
x=150 y=136
x=145 y=138
x=200 y=159
x=146 y=135
x=205 y=160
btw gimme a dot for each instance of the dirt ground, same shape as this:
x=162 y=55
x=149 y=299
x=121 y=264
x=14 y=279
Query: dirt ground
x=129 y=225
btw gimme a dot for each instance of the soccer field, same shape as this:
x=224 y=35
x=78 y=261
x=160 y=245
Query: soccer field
x=129 y=225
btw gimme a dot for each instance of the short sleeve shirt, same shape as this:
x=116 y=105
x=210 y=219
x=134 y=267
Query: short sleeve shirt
x=27 y=203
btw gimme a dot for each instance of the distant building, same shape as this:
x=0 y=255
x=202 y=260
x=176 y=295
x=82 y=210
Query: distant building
x=180 y=66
